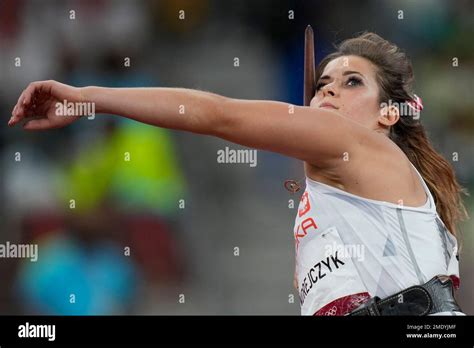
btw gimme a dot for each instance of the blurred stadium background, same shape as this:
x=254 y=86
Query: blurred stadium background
x=135 y=205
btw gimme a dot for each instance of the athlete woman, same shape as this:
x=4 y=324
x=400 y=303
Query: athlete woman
x=374 y=183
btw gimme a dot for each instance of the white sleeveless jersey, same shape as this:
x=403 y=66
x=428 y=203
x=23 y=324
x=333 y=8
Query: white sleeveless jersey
x=349 y=248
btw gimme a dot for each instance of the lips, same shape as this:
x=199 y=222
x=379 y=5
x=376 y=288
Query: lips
x=327 y=105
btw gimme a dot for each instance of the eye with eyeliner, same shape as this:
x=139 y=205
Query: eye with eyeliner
x=355 y=79
x=319 y=85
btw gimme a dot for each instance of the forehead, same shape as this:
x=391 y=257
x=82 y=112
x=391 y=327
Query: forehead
x=354 y=63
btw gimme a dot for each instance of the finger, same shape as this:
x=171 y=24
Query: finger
x=15 y=116
x=28 y=97
x=18 y=110
x=29 y=92
x=21 y=109
x=22 y=95
x=14 y=110
x=38 y=124
x=19 y=113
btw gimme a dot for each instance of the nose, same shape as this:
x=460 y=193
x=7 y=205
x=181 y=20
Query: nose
x=329 y=90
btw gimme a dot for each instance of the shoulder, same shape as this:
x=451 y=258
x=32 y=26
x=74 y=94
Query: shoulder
x=374 y=166
x=369 y=149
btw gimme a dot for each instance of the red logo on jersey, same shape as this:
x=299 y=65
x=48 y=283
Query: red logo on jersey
x=306 y=206
x=305 y=225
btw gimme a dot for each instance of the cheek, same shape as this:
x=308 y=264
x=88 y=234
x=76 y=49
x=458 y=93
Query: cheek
x=314 y=101
x=360 y=106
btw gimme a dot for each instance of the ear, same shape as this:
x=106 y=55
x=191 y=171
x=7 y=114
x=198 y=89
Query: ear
x=389 y=115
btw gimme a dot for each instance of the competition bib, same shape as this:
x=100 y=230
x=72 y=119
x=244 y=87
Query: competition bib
x=327 y=273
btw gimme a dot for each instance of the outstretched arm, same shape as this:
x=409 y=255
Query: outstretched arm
x=318 y=136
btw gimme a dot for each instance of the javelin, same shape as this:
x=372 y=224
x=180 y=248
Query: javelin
x=309 y=71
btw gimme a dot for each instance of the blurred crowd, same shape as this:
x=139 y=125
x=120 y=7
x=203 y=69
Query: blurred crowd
x=132 y=219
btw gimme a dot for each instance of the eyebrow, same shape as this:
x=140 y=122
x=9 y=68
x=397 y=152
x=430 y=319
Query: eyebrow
x=348 y=72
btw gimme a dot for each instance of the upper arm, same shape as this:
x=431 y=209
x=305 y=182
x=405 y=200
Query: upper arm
x=318 y=136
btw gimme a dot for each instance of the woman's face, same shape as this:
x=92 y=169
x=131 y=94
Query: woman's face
x=349 y=85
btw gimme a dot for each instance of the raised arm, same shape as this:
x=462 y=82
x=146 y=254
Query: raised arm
x=319 y=136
